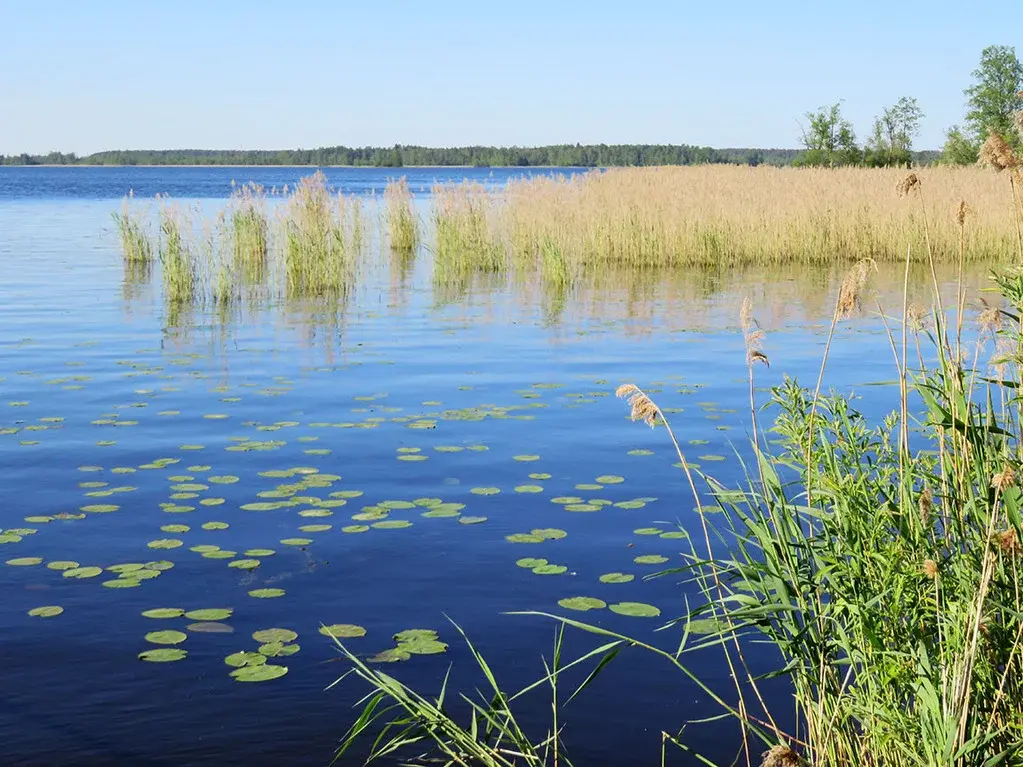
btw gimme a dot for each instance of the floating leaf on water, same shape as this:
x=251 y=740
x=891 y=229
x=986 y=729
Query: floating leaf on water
x=266 y=593
x=528 y=489
x=25 y=561
x=539 y=475
x=423 y=647
x=159 y=565
x=126 y=581
x=82 y=572
x=163 y=612
x=647 y=531
x=99 y=508
x=264 y=673
x=242 y=659
x=526 y=458
x=44 y=519
x=392 y=524
x=635 y=609
x=175 y=528
x=549 y=533
x=616 y=578
x=316 y=512
x=675 y=534
x=712 y=458
x=355 y=529
x=530 y=562
x=550 y=570
x=61 y=565
x=215 y=526
x=582 y=507
x=439 y=513
x=586 y=486
x=165 y=543
x=485 y=491
x=566 y=499
x=641 y=452
x=262 y=506
x=163 y=655
x=226 y=479
x=582 y=603
x=610 y=479
x=523 y=538
x=393 y=655
x=277 y=649
x=630 y=504
x=471 y=520
x=48 y=611
x=259 y=553
x=650 y=559
x=209 y=627
x=210 y=614
x=343 y=630
x=347 y=494
x=265 y=636
x=166 y=637
x=245 y=564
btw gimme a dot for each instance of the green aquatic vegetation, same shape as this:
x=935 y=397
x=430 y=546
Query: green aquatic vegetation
x=635 y=504
x=610 y=479
x=163 y=655
x=167 y=637
x=355 y=529
x=647 y=531
x=278 y=649
x=550 y=569
x=245 y=658
x=209 y=614
x=60 y=564
x=582 y=603
x=209 y=627
x=175 y=528
x=588 y=486
x=635 y=609
x=165 y=543
x=650 y=559
x=215 y=525
x=266 y=636
x=99 y=508
x=523 y=538
x=617 y=578
x=530 y=562
x=263 y=673
x=245 y=564
x=343 y=630
x=47 y=611
x=296 y=541
x=163 y=612
x=259 y=552
x=582 y=507
x=528 y=489
x=526 y=458
x=391 y=524
x=485 y=491
x=468 y=520
x=81 y=573
x=127 y=581
x=539 y=475
x=641 y=452
x=24 y=561
x=268 y=593
x=219 y=554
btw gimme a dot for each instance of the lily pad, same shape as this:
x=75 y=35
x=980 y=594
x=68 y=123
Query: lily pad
x=25 y=561
x=215 y=525
x=650 y=559
x=241 y=659
x=266 y=593
x=528 y=489
x=163 y=655
x=530 y=562
x=163 y=612
x=48 y=611
x=83 y=572
x=264 y=673
x=296 y=541
x=278 y=649
x=355 y=529
x=266 y=636
x=523 y=538
x=610 y=479
x=210 y=627
x=175 y=528
x=471 y=520
x=393 y=655
x=485 y=490
x=165 y=543
x=582 y=603
x=635 y=609
x=245 y=564
x=617 y=578
x=550 y=570
x=210 y=614
x=392 y=524
x=526 y=458
x=343 y=630
x=166 y=637
x=259 y=552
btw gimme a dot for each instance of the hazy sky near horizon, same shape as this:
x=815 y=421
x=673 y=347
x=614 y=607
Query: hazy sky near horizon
x=120 y=74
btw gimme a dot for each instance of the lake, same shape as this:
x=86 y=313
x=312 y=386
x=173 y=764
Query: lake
x=131 y=435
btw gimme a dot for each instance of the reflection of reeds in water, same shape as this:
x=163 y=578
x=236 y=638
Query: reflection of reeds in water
x=135 y=278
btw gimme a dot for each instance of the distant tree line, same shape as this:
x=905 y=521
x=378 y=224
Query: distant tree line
x=561 y=155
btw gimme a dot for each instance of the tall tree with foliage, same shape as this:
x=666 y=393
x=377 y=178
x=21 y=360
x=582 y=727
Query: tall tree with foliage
x=829 y=139
x=891 y=142
x=992 y=102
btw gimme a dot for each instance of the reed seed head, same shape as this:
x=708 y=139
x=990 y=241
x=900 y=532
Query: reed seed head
x=780 y=756
x=642 y=407
x=1008 y=542
x=907 y=185
x=1003 y=479
x=962 y=213
x=916 y=317
x=930 y=569
x=996 y=153
x=852 y=287
x=926 y=503
x=990 y=317
x=753 y=334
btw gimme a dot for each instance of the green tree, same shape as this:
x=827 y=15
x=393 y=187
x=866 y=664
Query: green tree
x=891 y=142
x=992 y=103
x=829 y=139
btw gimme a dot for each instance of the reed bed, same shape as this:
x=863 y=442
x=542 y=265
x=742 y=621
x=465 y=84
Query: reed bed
x=402 y=222
x=132 y=230
x=727 y=216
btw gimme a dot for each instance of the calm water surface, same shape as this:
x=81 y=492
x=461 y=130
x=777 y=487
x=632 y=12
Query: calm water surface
x=402 y=398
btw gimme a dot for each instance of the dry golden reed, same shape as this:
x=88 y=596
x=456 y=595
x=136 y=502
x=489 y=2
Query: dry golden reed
x=642 y=408
x=730 y=215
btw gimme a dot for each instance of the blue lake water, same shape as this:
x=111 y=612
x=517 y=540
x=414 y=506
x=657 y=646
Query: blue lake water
x=403 y=398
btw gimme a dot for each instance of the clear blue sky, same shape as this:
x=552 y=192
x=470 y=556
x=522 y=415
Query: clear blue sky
x=107 y=74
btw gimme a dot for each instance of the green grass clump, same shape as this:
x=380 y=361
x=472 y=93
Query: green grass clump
x=177 y=259
x=250 y=233
x=402 y=221
x=135 y=243
x=317 y=253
